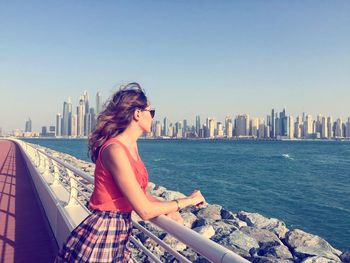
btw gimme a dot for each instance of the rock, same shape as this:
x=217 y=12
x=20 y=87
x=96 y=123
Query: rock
x=189 y=219
x=190 y=254
x=235 y=222
x=263 y=236
x=278 y=251
x=158 y=190
x=174 y=243
x=222 y=229
x=259 y=221
x=305 y=245
x=202 y=222
x=240 y=243
x=150 y=186
x=153 y=228
x=210 y=212
x=206 y=231
x=317 y=259
x=225 y=214
x=172 y=195
x=260 y=259
x=345 y=257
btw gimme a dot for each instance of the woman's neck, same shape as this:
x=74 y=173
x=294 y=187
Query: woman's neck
x=129 y=136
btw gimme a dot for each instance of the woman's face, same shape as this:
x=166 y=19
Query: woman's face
x=146 y=119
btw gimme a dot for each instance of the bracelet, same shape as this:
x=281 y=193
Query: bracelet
x=178 y=205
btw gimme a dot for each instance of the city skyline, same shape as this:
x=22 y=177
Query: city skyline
x=78 y=120
x=212 y=59
x=91 y=107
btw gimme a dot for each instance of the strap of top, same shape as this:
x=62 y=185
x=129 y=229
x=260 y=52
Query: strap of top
x=114 y=141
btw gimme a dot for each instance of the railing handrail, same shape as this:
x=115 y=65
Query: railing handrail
x=202 y=245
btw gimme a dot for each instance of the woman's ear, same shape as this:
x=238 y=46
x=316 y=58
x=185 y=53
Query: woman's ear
x=137 y=114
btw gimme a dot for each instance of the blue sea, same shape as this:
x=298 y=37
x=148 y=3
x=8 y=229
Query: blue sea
x=304 y=183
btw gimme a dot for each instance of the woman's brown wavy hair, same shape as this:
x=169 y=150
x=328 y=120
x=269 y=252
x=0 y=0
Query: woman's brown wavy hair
x=116 y=116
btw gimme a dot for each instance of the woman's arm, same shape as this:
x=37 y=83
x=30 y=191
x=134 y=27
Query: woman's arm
x=117 y=163
x=176 y=216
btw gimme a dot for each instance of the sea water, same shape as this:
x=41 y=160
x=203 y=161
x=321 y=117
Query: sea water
x=304 y=183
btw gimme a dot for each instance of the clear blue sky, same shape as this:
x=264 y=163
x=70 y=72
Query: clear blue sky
x=212 y=58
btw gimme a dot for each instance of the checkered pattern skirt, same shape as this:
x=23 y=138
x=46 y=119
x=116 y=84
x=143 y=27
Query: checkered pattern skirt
x=102 y=237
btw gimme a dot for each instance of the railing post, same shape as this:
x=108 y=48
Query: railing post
x=56 y=173
x=73 y=197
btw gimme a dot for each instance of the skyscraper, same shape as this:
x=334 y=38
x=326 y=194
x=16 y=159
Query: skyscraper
x=98 y=103
x=198 y=124
x=58 y=124
x=330 y=127
x=308 y=126
x=273 y=130
x=165 y=126
x=290 y=127
x=158 y=129
x=74 y=125
x=242 y=125
x=338 y=129
x=228 y=126
x=65 y=119
x=80 y=114
x=28 y=126
x=348 y=128
x=254 y=126
x=324 y=128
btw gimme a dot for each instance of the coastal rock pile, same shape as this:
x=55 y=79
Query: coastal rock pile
x=251 y=235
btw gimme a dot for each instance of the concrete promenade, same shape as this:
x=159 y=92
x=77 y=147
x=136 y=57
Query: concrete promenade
x=25 y=234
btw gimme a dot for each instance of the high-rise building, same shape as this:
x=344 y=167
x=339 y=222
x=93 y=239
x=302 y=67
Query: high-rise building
x=308 y=126
x=283 y=122
x=185 y=128
x=165 y=126
x=254 y=126
x=211 y=127
x=178 y=129
x=263 y=129
x=338 y=128
x=290 y=127
x=219 y=130
x=98 y=103
x=198 y=124
x=273 y=131
x=330 y=127
x=242 y=125
x=158 y=129
x=298 y=128
x=228 y=126
x=65 y=119
x=81 y=114
x=348 y=128
x=28 y=126
x=324 y=128
x=58 y=124
x=74 y=125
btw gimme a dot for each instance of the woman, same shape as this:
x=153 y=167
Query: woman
x=120 y=183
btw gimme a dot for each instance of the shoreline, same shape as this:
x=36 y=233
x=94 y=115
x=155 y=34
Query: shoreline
x=251 y=235
x=198 y=139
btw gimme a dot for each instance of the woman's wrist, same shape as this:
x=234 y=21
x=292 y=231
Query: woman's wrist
x=178 y=205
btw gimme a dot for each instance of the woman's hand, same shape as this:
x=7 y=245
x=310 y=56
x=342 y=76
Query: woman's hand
x=176 y=217
x=197 y=198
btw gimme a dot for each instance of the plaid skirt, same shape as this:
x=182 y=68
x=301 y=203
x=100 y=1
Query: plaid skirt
x=102 y=237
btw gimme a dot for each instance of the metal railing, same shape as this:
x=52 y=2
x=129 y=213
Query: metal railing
x=79 y=186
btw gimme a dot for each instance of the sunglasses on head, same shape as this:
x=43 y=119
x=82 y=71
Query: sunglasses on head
x=152 y=112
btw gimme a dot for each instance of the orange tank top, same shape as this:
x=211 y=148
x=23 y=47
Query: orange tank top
x=107 y=195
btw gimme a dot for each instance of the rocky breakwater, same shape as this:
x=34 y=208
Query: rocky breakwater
x=251 y=235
